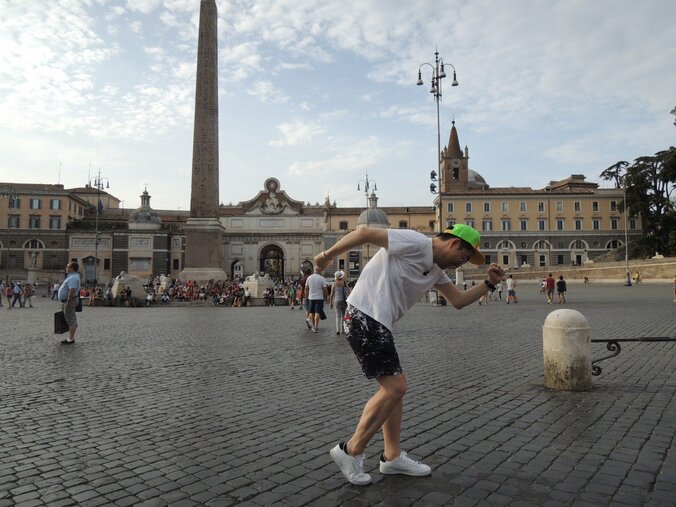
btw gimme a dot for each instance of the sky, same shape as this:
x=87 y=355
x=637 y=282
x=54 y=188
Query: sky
x=322 y=94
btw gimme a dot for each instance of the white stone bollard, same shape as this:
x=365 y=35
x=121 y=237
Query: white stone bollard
x=567 y=351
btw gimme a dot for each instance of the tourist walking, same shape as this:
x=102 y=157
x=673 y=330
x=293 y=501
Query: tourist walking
x=69 y=296
x=550 y=285
x=339 y=293
x=511 y=290
x=500 y=287
x=317 y=293
x=303 y=297
x=17 y=291
x=291 y=294
x=561 y=290
x=55 y=290
x=404 y=268
x=9 y=292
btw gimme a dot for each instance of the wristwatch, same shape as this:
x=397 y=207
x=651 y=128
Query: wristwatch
x=489 y=285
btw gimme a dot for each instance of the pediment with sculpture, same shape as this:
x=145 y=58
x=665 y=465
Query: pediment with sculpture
x=272 y=201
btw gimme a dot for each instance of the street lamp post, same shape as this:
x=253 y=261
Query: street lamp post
x=627 y=283
x=11 y=196
x=438 y=73
x=98 y=181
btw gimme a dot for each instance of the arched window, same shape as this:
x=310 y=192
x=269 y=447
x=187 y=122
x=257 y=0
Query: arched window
x=34 y=244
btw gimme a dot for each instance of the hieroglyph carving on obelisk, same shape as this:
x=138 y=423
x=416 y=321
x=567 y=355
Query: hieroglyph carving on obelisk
x=203 y=230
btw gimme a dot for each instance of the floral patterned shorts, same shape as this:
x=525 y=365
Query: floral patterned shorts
x=372 y=343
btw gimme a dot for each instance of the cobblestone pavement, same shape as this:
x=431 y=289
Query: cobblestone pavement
x=195 y=405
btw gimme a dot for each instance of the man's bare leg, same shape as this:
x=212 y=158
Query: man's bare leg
x=386 y=402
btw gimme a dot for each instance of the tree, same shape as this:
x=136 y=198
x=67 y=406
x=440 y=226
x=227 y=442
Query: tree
x=650 y=182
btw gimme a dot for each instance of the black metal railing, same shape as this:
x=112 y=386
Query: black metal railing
x=613 y=345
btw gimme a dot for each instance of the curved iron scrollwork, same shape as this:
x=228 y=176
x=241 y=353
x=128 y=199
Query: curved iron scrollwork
x=612 y=346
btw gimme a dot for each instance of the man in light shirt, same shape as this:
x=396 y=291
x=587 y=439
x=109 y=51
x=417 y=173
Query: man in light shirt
x=317 y=293
x=406 y=266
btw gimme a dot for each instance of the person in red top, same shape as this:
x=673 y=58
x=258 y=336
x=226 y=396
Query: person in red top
x=550 y=285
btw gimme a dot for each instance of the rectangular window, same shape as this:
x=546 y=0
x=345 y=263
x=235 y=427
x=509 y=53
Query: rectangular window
x=559 y=224
x=524 y=225
x=468 y=207
x=342 y=225
x=470 y=223
x=613 y=224
x=506 y=225
x=578 y=225
x=632 y=223
x=487 y=244
x=14 y=221
x=578 y=207
x=559 y=206
x=487 y=207
x=55 y=204
x=542 y=225
x=176 y=265
x=559 y=259
x=522 y=207
x=505 y=260
x=596 y=224
x=487 y=225
x=541 y=207
x=34 y=204
x=450 y=223
x=15 y=203
x=55 y=222
x=106 y=264
x=403 y=224
x=449 y=207
x=595 y=205
x=613 y=205
x=505 y=206
x=34 y=222
x=488 y=259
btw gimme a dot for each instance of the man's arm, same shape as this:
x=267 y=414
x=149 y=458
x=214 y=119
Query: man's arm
x=72 y=292
x=354 y=239
x=461 y=298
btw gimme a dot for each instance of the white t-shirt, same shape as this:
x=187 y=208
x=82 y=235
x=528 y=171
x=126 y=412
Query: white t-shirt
x=510 y=284
x=396 y=277
x=315 y=285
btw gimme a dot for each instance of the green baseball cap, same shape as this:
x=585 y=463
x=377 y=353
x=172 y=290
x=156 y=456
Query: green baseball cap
x=472 y=236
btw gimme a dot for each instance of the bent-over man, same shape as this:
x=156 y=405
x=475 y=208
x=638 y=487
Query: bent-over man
x=406 y=266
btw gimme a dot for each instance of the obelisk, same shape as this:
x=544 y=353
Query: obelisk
x=203 y=230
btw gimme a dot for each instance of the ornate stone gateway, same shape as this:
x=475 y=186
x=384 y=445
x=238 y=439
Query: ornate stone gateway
x=272 y=262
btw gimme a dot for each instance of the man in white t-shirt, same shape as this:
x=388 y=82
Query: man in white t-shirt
x=317 y=293
x=406 y=266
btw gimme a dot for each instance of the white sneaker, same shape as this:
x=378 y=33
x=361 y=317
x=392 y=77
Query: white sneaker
x=405 y=466
x=351 y=466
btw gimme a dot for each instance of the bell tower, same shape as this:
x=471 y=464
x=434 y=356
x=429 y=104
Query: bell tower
x=454 y=165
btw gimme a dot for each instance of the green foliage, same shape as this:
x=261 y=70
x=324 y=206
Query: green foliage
x=650 y=183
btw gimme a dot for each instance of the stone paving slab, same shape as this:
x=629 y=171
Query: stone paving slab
x=196 y=405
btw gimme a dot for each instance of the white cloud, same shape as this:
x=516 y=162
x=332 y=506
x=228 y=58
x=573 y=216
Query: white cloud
x=343 y=157
x=297 y=133
x=266 y=92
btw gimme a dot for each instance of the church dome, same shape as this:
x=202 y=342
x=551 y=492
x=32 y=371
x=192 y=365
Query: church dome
x=144 y=217
x=475 y=180
x=373 y=217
